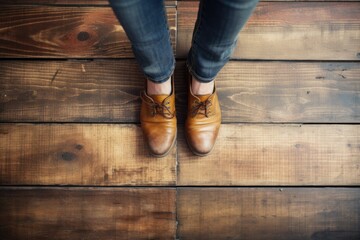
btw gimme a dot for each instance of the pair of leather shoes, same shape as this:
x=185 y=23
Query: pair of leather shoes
x=158 y=121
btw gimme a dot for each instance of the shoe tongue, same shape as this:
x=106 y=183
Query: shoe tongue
x=158 y=98
x=203 y=98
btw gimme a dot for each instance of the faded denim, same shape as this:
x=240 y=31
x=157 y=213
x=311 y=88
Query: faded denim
x=214 y=38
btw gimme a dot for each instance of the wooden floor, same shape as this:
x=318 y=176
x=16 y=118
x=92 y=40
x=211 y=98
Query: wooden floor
x=72 y=159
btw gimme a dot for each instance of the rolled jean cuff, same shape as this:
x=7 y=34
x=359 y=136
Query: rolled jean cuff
x=198 y=78
x=163 y=78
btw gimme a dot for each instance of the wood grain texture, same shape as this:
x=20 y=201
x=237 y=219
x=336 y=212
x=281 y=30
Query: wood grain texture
x=70 y=91
x=65 y=32
x=273 y=154
x=75 y=154
x=72 y=2
x=108 y=91
x=105 y=2
x=269 y=213
x=87 y=213
x=263 y=91
x=288 y=30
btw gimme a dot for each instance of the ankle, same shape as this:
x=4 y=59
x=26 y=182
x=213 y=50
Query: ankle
x=201 y=88
x=158 y=88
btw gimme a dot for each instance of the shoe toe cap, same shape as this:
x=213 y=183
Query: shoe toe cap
x=160 y=144
x=201 y=143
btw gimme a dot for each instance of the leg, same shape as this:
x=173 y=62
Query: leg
x=214 y=39
x=215 y=36
x=145 y=24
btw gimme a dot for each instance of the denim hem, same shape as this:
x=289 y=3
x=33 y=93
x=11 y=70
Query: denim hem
x=198 y=78
x=162 y=78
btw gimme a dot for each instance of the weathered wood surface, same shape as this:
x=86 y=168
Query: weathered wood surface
x=115 y=155
x=70 y=91
x=87 y=213
x=269 y=213
x=273 y=154
x=244 y=155
x=288 y=30
x=76 y=2
x=277 y=30
x=75 y=154
x=65 y=32
x=263 y=91
x=249 y=91
x=105 y=2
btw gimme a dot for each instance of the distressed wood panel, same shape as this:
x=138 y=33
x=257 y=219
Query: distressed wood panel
x=76 y=154
x=269 y=213
x=65 y=32
x=273 y=154
x=288 y=30
x=263 y=91
x=91 y=213
x=73 y=2
x=105 y=2
x=67 y=91
x=108 y=91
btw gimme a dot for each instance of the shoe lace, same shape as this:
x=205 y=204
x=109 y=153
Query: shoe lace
x=201 y=108
x=159 y=108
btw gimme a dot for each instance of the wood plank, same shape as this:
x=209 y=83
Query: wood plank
x=87 y=213
x=262 y=91
x=105 y=2
x=288 y=30
x=273 y=155
x=76 y=154
x=67 y=91
x=249 y=91
x=269 y=213
x=65 y=32
x=72 y=2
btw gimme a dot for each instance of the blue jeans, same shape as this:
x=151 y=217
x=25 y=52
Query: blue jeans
x=214 y=38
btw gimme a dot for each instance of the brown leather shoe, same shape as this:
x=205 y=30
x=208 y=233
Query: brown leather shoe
x=158 y=121
x=203 y=121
